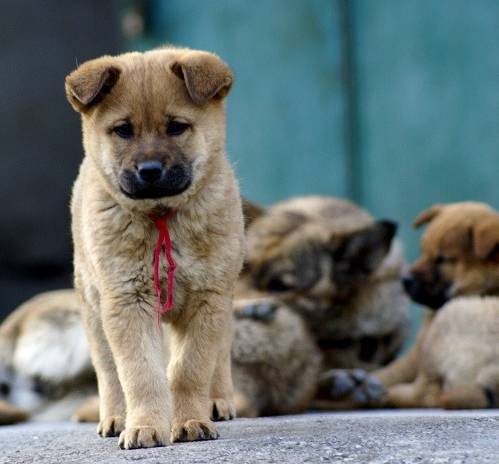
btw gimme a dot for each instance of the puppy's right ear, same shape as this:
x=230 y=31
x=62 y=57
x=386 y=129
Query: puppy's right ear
x=428 y=215
x=485 y=236
x=90 y=83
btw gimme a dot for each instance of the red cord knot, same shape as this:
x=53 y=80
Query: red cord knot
x=164 y=242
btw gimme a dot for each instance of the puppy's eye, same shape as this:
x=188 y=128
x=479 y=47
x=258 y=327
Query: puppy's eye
x=174 y=128
x=276 y=284
x=440 y=259
x=125 y=131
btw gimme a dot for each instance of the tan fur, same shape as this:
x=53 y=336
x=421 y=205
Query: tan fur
x=464 y=234
x=458 y=358
x=114 y=241
x=275 y=363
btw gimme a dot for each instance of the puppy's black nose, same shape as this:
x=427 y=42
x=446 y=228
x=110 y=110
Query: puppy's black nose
x=408 y=283
x=150 y=171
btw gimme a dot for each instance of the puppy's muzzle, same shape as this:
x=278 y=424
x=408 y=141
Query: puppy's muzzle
x=152 y=179
x=430 y=294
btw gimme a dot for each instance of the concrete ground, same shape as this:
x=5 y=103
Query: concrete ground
x=360 y=437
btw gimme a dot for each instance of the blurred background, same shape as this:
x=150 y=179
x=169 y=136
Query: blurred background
x=391 y=103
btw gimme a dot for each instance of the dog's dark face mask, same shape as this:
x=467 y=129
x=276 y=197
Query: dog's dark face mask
x=329 y=270
x=426 y=283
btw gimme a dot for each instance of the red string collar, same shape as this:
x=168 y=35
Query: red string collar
x=164 y=241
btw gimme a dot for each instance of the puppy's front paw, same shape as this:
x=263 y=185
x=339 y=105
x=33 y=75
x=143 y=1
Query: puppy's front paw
x=143 y=437
x=193 y=430
x=111 y=426
x=356 y=386
x=223 y=410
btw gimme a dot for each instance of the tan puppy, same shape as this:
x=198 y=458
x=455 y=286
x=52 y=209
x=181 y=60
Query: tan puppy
x=459 y=258
x=154 y=136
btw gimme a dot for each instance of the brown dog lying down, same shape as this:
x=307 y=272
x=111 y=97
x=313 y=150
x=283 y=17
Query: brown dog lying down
x=281 y=343
x=452 y=363
x=333 y=265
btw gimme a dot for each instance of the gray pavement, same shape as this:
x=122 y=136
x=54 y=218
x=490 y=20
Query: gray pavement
x=360 y=437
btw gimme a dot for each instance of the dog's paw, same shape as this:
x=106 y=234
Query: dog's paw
x=111 y=426
x=258 y=310
x=223 y=410
x=143 y=437
x=193 y=430
x=356 y=386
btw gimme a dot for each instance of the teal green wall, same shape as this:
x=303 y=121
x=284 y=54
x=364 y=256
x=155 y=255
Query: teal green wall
x=393 y=103
x=285 y=113
x=428 y=93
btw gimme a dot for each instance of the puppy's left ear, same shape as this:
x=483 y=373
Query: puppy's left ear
x=485 y=238
x=205 y=75
x=363 y=251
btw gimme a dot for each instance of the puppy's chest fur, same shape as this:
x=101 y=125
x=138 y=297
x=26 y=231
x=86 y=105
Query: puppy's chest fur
x=115 y=249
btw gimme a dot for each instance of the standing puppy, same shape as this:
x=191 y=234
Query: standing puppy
x=155 y=170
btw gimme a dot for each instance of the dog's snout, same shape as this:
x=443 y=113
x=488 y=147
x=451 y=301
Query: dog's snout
x=155 y=179
x=150 y=171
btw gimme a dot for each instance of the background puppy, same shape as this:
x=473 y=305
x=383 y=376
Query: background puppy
x=330 y=263
x=336 y=267
x=459 y=258
x=45 y=368
x=154 y=139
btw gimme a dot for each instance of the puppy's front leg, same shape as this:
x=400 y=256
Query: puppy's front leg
x=196 y=340
x=137 y=345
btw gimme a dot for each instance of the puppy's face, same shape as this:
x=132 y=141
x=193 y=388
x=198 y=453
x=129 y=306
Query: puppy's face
x=152 y=122
x=460 y=254
x=304 y=258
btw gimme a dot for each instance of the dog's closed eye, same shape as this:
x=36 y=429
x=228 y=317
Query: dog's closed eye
x=125 y=131
x=441 y=259
x=175 y=128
